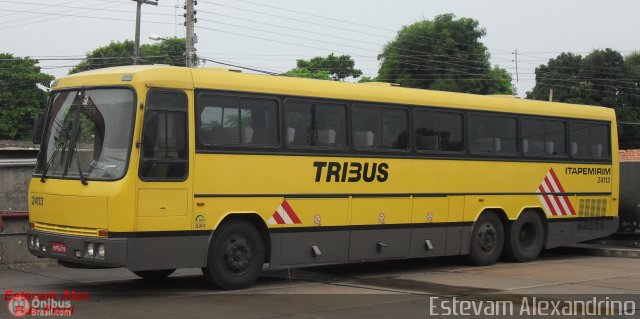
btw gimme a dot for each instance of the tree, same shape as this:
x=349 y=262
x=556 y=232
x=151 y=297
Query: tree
x=304 y=73
x=444 y=54
x=366 y=79
x=170 y=51
x=332 y=67
x=602 y=78
x=21 y=95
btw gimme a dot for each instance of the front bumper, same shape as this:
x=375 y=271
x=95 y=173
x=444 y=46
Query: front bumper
x=115 y=249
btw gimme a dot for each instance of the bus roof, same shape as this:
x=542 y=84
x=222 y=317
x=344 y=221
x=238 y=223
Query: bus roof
x=232 y=80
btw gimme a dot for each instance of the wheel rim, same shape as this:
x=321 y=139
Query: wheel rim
x=237 y=254
x=487 y=237
x=527 y=236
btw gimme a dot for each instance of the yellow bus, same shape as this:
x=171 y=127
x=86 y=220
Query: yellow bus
x=155 y=168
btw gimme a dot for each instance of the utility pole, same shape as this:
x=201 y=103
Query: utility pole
x=516 y=60
x=136 y=47
x=191 y=39
x=550 y=95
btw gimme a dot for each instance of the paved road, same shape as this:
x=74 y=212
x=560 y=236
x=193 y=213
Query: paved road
x=399 y=289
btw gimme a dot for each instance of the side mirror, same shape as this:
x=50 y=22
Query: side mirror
x=38 y=128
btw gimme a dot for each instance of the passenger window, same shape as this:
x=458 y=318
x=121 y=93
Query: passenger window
x=380 y=128
x=164 y=144
x=589 y=140
x=233 y=121
x=315 y=124
x=438 y=131
x=492 y=135
x=543 y=137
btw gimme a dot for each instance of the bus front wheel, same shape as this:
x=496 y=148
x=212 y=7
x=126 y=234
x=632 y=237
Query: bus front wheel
x=525 y=237
x=236 y=256
x=487 y=240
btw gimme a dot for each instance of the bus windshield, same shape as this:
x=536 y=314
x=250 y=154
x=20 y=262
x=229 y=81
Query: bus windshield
x=88 y=135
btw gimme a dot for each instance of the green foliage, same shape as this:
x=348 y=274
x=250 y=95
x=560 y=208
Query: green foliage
x=332 y=67
x=443 y=54
x=366 y=79
x=171 y=51
x=603 y=78
x=21 y=96
x=304 y=73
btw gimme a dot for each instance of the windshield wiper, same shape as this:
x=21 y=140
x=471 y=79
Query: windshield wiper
x=83 y=180
x=61 y=145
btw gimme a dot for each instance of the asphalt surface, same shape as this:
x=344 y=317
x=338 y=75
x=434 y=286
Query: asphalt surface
x=397 y=289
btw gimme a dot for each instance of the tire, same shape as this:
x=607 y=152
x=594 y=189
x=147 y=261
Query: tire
x=236 y=256
x=525 y=238
x=487 y=240
x=154 y=275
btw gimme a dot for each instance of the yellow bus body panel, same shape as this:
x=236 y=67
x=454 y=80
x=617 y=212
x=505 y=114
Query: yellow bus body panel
x=428 y=190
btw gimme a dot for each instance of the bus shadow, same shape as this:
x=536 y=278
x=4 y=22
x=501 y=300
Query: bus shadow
x=194 y=283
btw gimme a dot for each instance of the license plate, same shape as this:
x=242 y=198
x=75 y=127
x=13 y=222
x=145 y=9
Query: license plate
x=59 y=248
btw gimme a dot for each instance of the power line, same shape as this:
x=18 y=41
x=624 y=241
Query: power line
x=47 y=5
x=351 y=46
x=84 y=16
x=83 y=8
x=240 y=66
x=48 y=18
x=302 y=45
x=420 y=53
x=348 y=22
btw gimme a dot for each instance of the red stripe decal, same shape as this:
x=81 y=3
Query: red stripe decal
x=566 y=200
x=555 y=198
x=555 y=179
x=546 y=199
x=278 y=219
x=292 y=214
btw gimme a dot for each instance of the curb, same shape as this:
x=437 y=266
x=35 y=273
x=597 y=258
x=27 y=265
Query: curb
x=618 y=252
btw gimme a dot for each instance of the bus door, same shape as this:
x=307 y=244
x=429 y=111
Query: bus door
x=163 y=189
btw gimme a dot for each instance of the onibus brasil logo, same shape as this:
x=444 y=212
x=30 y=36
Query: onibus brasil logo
x=22 y=303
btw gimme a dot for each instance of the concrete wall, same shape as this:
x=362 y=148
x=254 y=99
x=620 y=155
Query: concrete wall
x=14 y=185
x=629 y=197
x=13 y=244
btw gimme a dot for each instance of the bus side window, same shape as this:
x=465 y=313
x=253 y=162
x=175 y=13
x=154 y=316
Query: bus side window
x=317 y=125
x=438 y=131
x=380 y=128
x=590 y=140
x=543 y=137
x=225 y=121
x=492 y=135
x=164 y=143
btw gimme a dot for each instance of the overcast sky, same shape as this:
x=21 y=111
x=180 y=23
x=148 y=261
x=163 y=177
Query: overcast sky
x=251 y=33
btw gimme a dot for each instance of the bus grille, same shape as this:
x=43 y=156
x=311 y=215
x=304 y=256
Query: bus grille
x=592 y=207
x=69 y=230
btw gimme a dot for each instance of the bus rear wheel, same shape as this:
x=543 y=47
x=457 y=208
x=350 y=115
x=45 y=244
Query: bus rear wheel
x=153 y=275
x=236 y=256
x=525 y=238
x=487 y=240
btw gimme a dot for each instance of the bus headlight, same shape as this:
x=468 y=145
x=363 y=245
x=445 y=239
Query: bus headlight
x=90 y=250
x=101 y=251
x=32 y=241
x=37 y=243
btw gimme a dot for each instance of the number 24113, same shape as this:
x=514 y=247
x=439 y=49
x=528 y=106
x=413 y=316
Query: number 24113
x=604 y=179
